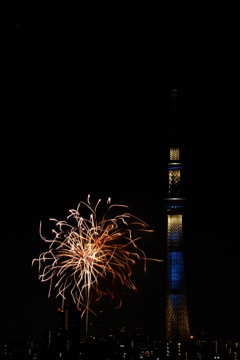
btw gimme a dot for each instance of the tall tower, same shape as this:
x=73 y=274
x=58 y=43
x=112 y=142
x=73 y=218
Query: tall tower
x=177 y=323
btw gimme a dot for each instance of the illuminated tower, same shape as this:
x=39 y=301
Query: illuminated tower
x=177 y=323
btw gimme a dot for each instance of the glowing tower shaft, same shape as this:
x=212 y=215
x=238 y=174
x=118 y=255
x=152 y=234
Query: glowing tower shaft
x=177 y=323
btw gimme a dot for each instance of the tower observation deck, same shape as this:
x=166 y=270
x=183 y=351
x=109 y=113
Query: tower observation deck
x=177 y=322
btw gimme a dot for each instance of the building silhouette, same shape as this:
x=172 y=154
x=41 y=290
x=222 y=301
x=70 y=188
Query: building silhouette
x=69 y=326
x=177 y=322
x=66 y=338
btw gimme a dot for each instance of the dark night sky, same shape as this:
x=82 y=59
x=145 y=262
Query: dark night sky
x=86 y=110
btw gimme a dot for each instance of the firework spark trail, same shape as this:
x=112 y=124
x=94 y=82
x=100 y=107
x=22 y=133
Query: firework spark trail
x=93 y=249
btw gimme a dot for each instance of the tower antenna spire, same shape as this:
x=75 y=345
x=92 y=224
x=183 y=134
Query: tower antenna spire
x=174 y=122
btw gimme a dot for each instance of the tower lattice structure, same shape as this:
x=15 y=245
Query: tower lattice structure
x=177 y=322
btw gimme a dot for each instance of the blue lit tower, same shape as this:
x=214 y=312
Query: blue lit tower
x=177 y=323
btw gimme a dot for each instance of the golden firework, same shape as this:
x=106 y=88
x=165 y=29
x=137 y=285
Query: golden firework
x=87 y=254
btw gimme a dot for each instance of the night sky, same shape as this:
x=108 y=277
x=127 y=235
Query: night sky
x=86 y=109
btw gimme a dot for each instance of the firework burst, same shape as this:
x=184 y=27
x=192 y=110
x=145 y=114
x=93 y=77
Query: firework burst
x=88 y=254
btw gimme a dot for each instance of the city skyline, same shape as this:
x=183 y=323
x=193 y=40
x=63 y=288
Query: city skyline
x=110 y=138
